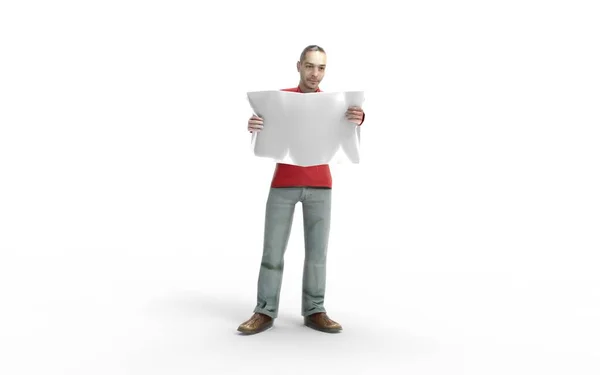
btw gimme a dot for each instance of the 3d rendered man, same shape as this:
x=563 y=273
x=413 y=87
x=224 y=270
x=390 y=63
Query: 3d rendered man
x=292 y=184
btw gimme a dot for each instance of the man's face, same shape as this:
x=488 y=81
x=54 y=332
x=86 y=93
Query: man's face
x=312 y=69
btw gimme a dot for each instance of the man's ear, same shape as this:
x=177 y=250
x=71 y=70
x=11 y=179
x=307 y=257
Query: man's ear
x=298 y=66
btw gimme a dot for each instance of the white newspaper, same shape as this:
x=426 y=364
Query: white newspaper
x=306 y=129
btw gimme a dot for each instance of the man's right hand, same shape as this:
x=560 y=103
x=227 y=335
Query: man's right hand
x=255 y=124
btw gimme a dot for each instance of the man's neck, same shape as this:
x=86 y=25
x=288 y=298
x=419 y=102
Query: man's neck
x=305 y=89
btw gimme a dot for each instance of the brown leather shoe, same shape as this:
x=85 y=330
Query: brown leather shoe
x=257 y=323
x=321 y=322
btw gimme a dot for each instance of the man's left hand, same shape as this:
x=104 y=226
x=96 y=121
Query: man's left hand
x=355 y=115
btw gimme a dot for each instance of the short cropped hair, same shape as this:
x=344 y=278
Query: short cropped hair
x=312 y=47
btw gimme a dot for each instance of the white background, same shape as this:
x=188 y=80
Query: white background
x=132 y=209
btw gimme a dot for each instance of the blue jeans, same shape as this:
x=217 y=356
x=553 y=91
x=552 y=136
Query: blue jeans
x=316 y=209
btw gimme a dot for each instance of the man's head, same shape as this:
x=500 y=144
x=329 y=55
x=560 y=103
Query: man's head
x=311 y=67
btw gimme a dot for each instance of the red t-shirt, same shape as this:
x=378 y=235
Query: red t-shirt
x=287 y=175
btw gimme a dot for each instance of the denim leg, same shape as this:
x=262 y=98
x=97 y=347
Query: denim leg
x=316 y=207
x=278 y=223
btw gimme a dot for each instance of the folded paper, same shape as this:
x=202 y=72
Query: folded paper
x=306 y=129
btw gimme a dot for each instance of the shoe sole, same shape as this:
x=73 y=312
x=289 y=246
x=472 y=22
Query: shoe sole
x=261 y=329
x=319 y=328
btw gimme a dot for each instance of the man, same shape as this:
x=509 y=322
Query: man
x=292 y=184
